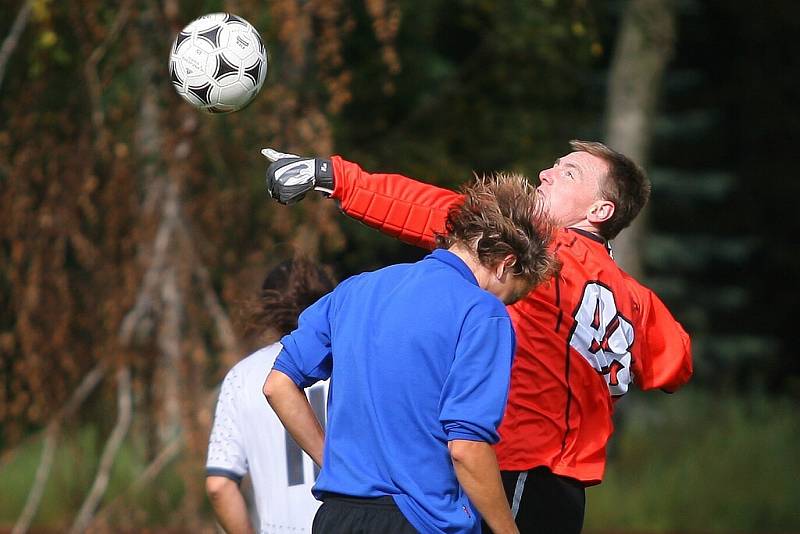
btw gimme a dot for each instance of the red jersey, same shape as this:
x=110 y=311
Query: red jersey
x=582 y=337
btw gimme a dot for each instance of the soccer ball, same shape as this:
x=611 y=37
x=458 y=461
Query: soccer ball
x=218 y=63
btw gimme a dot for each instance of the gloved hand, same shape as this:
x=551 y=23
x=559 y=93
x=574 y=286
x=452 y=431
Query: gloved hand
x=290 y=177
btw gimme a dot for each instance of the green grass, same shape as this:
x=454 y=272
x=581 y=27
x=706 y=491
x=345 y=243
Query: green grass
x=690 y=462
x=71 y=477
x=694 y=462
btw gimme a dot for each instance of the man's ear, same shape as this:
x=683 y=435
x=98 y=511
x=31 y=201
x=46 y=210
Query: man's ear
x=600 y=211
x=505 y=266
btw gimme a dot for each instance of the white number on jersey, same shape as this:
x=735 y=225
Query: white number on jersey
x=603 y=337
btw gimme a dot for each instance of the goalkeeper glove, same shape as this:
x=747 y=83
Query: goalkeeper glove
x=290 y=177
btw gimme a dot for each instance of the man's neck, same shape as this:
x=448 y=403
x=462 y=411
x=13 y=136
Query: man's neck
x=592 y=234
x=584 y=225
x=468 y=256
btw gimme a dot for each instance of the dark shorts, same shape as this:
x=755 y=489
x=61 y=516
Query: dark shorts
x=543 y=502
x=342 y=514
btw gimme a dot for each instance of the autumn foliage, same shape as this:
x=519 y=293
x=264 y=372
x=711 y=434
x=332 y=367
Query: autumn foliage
x=131 y=225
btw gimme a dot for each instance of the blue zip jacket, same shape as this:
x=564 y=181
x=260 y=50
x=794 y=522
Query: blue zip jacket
x=418 y=355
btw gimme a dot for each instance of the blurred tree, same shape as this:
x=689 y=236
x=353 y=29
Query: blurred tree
x=130 y=224
x=644 y=46
x=721 y=249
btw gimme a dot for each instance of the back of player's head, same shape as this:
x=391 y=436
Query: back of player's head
x=502 y=215
x=287 y=289
x=626 y=185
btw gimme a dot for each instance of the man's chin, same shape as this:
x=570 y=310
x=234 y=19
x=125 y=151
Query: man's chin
x=546 y=205
x=543 y=194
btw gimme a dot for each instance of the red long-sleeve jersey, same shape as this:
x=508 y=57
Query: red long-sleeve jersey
x=582 y=337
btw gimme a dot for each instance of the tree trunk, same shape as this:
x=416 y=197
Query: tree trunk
x=645 y=45
x=112 y=447
x=51 y=437
x=12 y=39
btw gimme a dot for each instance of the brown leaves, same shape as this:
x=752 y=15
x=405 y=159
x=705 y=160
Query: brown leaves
x=130 y=224
x=385 y=22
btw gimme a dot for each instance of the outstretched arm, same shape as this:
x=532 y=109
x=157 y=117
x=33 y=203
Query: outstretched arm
x=398 y=206
x=662 y=354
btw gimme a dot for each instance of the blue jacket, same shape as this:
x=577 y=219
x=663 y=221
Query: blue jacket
x=418 y=355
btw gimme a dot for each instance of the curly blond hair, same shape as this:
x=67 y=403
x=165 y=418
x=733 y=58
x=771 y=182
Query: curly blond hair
x=501 y=215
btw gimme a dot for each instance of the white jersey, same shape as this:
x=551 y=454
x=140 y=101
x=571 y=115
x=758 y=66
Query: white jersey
x=247 y=436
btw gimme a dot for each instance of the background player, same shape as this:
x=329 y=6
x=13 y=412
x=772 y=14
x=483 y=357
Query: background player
x=246 y=435
x=419 y=357
x=582 y=338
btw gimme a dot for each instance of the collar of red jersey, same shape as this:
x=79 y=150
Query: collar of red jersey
x=594 y=237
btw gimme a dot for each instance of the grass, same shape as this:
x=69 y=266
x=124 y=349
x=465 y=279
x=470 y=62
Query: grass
x=695 y=462
x=689 y=463
x=71 y=477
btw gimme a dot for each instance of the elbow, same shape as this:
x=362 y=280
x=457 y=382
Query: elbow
x=218 y=487
x=455 y=454
x=277 y=386
x=461 y=451
x=466 y=454
x=271 y=387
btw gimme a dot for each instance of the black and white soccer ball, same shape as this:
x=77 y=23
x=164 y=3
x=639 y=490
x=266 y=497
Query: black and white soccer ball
x=218 y=63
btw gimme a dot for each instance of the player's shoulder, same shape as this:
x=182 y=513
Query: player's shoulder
x=479 y=304
x=390 y=274
x=367 y=277
x=579 y=241
x=585 y=255
x=257 y=362
x=448 y=276
x=492 y=305
x=642 y=294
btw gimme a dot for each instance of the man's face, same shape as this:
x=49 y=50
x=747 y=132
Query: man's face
x=571 y=186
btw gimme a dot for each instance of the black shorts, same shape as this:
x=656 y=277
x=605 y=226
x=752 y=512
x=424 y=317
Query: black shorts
x=542 y=502
x=342 y=514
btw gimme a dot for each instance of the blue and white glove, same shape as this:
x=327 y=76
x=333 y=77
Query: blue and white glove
x=290 y=177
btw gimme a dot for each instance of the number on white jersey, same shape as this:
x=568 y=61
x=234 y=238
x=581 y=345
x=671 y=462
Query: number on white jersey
x=294 y=454
x=604 y=337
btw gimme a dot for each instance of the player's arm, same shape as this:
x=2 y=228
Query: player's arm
x=304 y=359
x=662 y=358
x=478 y=473
x=295 y=412
x=396 y=205
x=473 y=401
x=229 y=505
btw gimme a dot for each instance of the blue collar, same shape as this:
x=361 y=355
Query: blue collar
x=447 y=257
